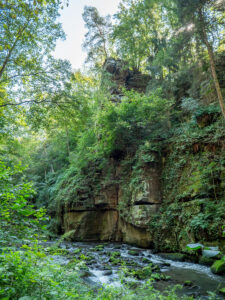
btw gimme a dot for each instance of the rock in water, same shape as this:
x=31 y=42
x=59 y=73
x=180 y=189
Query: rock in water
x=219 y=267
x=211 y=254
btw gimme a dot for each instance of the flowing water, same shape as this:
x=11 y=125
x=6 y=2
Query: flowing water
x=101 y=271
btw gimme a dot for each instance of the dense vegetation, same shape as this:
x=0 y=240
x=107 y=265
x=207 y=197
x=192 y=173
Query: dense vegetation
x=60 y=131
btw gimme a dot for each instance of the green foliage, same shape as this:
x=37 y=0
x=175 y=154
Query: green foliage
x=18 y=218
x=29 y=33
x=139 y=33
x=77 y=139
x=117 y=130
x=193 y=180
x=30 y=274
x=123 y=127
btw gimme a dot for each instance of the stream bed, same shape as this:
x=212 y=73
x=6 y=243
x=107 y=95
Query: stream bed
x=103 y=264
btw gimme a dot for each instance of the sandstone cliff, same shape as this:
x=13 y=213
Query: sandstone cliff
x=175 y=196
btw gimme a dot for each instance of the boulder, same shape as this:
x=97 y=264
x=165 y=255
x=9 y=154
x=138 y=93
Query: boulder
x=211 y=254
x=144 y=273
x=194 y=249
x=107 y=273
x=206 y=261
x=218 y=267
x=173 y=256
x=133 y=252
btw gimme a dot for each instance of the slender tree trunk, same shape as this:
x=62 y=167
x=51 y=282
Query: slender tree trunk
x=212 y=64
x=215 y=79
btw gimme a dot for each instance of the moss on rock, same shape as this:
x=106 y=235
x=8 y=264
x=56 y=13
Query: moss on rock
x=174 y=256
x=219 y=267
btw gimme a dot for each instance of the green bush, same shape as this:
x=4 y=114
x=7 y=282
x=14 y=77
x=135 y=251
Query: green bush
x=18 y=217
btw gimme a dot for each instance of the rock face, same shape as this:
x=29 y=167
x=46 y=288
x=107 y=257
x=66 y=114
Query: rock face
x=92 y=225
x=122 y=76
x=104 y=220
x=134 y=235
x=108 y=197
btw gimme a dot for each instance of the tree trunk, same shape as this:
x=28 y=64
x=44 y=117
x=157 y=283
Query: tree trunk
x=212 y=64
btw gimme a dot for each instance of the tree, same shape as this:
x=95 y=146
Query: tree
x=139 y=33
x=28 y=34
x=97 y=38
x=206 y=20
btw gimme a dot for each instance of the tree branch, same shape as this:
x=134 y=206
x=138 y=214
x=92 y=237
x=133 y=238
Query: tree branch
x=35 y=102
x=20 y=32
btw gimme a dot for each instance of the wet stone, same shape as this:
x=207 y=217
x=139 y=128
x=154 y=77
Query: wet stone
x=117 y=247
x=107 y=273
x=218 y=267
x=84 y=273
x=211 y=254
x=188 y=283
x=206 y=261
x=173 y=256
x=146 y=260
x=133 y=252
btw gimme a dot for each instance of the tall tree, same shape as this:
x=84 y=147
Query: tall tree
x=206 y=19
x=97 y=38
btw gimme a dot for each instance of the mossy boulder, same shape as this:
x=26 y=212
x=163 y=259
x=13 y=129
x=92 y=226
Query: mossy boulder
x=132 y=263
x=99 y=248
x=133 y=252
x=219 y=266
x=115 y=258
x=156 y=277
x=222 y=291
x=56 y=251
x=146 y=260
x=173 y=256
x=194 y=249
x=165 y=277
x=188 y=283
x=144 y=273
x=77 y=251
x=114 y=261
x=206 y=261
x=115 y=254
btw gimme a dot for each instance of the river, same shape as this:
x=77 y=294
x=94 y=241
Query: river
x=196 y=280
